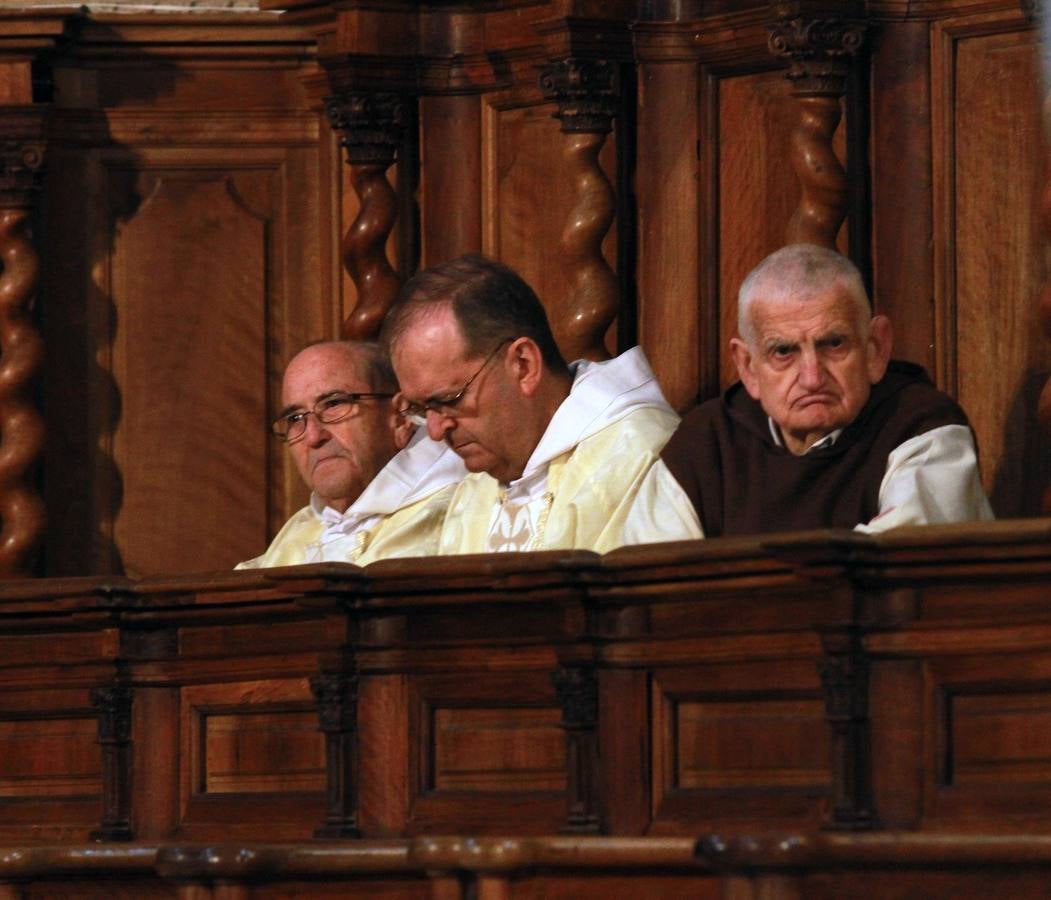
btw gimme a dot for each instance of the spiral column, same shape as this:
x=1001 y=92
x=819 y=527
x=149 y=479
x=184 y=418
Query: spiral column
x=819 y=49
x=586 y=94
x=22 y=517
x=371 y=128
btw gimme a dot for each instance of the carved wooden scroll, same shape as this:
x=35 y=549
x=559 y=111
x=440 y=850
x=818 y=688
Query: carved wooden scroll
x=585 y=90
x=21 y=355
x=371 y=128
x=577 y=689
x=337 y=699
x=113 y=704
x=819 y=50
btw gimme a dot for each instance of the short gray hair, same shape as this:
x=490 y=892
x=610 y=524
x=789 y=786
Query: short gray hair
x=800 y=271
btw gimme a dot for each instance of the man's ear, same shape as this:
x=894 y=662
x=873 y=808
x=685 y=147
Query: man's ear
x=526 y=364
x=743 y=360
x=878 y=348
x=401 y=428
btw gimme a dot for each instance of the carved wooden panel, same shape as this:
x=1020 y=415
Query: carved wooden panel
x=988 y=728
x=738 y=742
x=50 y=764
x=758 y=191
x=485 y=749
x=57 y=756
x=999 y=737
x=989 y=249
x=527 y=195
x=249 y=747
x=483 y=743
x=189 y=415
x=192 y=243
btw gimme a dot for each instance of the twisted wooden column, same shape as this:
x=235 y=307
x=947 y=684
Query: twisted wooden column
x=819 y=50
x=371 y=128
x=585 y=91
x=21 y=356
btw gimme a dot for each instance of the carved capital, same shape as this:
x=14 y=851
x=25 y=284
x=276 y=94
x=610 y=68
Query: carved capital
x=577 y=691
x=586 y=93
x=371 y=125
x=819 y=50
x=336 y=695
x=21 y=165
x=113 y=703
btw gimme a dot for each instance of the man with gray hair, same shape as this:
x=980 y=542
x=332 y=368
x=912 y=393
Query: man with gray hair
x=377 y=489
x=823 y=429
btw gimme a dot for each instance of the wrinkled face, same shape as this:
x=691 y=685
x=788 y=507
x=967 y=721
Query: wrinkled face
x=432 y=366
x=338 y=460
x=812 y=364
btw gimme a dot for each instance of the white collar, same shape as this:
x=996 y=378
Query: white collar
x=602 y=393
x=827 y=441
x=421 y=468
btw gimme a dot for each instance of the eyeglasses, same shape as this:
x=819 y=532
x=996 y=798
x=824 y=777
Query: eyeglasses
x=332 y=408
x=446 y=406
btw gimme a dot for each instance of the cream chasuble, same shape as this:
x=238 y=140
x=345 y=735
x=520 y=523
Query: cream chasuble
x=586 y=486
x=399 y=514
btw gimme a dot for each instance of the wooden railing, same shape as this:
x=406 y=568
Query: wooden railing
x=804 y=685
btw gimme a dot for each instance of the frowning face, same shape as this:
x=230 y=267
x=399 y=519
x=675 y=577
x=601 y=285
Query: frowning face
x=812 y=362
x=338 y=460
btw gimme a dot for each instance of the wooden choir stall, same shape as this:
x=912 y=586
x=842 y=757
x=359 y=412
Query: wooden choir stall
x=192 y=191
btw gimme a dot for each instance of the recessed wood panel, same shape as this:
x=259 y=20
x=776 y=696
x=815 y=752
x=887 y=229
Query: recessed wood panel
x=251 y=738
x=991 y=248
x=758 y=190
x=481 y=744
x=749 y=743
x=999 y=738
x=262 y=752
x=743 y=741
x=499 y=750
x=53 y=757
x=190 y=438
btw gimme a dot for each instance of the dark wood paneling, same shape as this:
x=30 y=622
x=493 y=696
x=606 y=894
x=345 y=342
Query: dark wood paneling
x=528 y=195
x=988 y=168
x=757 y=194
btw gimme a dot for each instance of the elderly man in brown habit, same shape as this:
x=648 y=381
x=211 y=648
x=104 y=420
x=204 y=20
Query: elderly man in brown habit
x=823 y=429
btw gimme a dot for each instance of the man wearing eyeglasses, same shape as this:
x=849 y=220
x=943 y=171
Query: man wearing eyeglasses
x=377 y=489
x=560 y=456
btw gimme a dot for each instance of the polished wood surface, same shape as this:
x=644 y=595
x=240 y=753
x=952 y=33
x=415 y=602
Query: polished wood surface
x=811 y=713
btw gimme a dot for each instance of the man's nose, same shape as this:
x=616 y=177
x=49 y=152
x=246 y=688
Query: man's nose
x=438 y=425
x=316 y=432
x=811 y=369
